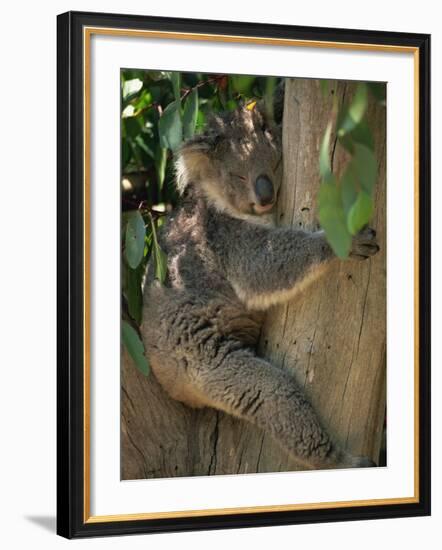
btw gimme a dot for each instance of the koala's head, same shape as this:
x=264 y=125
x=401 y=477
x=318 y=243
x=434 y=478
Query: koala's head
x=236 y=163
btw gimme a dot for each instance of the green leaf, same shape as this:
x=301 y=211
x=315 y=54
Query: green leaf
x=360 y=213
x=131 y=87
x=135 y=347
x=355 y=112
x=360 y=134
x=201 y=120
x=231 y=105
x=363 y=135
x=364 y=167
x=143 y=101
x=160 y=165
x=378 y=89
x=358 y=105
x=134 y=293
x=170 y=127
x=128 y=111
x=175 y=78
x=159 y=257
x=131 y=126
x=332 y=218
x=190 y=114
x=348 y=190
x=128 y=74
x=141 y=143
x=324 y=153
x=135 y=233
x=242 y=84
x=347 y=143
x=148 y=246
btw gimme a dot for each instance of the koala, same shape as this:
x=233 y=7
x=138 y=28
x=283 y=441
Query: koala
x=227 y=264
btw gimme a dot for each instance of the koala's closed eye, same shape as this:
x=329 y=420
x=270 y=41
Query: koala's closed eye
x=242 y=178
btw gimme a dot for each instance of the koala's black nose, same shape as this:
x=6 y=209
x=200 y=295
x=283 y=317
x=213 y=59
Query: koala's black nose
x=264 y=190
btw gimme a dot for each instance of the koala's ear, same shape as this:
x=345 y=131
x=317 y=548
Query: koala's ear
x=193 y=161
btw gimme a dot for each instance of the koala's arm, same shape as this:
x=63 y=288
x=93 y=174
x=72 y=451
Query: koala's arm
x=268 y=265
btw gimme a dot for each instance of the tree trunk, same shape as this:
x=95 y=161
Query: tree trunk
x=332 y=338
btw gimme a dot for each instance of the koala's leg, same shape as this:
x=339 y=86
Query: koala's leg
x=253 y=389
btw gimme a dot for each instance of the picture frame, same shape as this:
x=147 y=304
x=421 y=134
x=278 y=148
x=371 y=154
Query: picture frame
x=76 y=437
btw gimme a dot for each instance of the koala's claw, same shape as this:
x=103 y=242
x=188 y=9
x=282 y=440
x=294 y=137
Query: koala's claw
x=364 y=244
x=340 y=458
x=350 y=461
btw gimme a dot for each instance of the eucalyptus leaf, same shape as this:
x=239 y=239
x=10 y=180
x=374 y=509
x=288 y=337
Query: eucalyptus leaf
x=359 y=103
x=160 y=165
x=170 y=127
x=131 y=126
x=131 y=87
x=190 y=114
x=355 y=111
x=360 y=213
x=332 y=218
x=200 y=120
x=231 y=105
x=379 y=90
x=242 y=84
x=143 y=100
x=128 y=111
x=134 y=293
x=159 y=257
x=324 y=153
x=135 y=347
x=361 y=133
x=148 y=245
x=175 y=78
x=349 y=193
x=365 y=167
x=134 y=245
x=141 y=142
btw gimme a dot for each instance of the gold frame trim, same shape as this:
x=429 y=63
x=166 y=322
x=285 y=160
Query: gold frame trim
x=87 y=33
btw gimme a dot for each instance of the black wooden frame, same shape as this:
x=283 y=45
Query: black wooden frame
x=70 y=291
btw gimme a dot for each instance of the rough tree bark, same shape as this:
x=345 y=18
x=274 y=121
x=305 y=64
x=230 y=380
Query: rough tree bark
x=332 y=338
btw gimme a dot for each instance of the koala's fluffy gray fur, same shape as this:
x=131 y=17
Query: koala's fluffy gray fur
x=227 y=263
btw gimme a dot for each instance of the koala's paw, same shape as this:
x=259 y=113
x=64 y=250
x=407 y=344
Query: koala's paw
x=340 y=458
x=364 y=244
